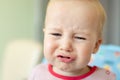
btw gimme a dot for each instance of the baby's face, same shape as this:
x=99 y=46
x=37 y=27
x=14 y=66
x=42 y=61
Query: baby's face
x=70 y=35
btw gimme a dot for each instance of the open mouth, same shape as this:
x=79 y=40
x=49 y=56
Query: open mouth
x=63 y=56
x=65 y=59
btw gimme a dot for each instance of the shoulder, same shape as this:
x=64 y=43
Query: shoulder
x=40 y=67
x=105 y=74
x=39 y=70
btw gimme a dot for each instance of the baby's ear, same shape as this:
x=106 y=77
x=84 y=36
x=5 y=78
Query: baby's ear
x=43 y=29
x=97 y=45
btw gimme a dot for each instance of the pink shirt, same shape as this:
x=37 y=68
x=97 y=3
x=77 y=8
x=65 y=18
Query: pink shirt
x=44 y=72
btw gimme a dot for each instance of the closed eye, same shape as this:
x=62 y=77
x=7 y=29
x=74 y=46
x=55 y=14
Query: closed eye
x=81 y=38
x=56 y=34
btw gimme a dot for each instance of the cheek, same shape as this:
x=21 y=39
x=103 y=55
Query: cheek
x=84 y=57
x=49 y=46
x=85 y=52
x=49 y=50
x=85 y=49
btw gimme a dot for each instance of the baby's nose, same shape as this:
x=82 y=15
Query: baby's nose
x=66 y=45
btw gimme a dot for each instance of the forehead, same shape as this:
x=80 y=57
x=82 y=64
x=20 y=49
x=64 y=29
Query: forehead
x=71 y=14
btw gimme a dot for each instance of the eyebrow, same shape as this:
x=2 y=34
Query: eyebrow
x=52 y=29
x=82 y=32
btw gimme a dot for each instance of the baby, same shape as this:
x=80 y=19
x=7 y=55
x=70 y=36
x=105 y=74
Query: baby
x=73 y=32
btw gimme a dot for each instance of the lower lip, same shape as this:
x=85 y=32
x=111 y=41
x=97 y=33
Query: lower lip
x=65 y=60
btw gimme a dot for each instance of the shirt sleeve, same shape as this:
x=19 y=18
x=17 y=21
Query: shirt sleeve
x=38 y=72
x=32 y=75
x=110 y=75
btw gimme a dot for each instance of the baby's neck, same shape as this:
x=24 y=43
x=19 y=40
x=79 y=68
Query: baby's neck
x=72 y=73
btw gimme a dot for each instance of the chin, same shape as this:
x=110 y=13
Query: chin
x=65 y=67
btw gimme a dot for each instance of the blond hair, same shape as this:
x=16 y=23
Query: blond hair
x=102 y=15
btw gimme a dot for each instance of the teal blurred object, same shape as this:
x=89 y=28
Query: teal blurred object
x=108 y=57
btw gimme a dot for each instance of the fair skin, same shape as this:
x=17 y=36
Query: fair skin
x=71 y=36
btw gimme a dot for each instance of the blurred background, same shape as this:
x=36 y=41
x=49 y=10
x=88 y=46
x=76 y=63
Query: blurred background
x=21 y=36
